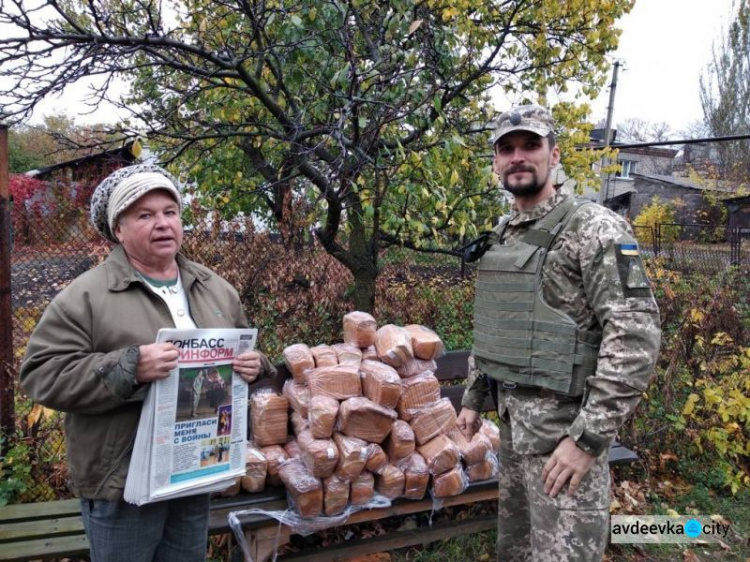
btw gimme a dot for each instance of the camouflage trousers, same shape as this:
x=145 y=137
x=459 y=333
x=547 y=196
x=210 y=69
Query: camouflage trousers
x=535 y=527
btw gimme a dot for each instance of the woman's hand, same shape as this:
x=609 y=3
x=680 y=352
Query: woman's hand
x=247 y=365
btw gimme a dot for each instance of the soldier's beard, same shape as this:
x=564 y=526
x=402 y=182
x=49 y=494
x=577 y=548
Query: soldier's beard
x=527 y=189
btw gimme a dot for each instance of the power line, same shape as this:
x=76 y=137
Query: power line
x=667 y=143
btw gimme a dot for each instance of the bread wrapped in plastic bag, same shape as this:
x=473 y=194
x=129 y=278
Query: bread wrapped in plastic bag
x=232 y=490
x=380 y=383
x=425 y=343
x=432 y=420
x=416 y=367
x=377 y=459
x=483 y=470
x=298 y=359
x=335 y=495
x=416 y=476
x=363 y=489
x=490 y=429
x=305 y=491
x=256 y=470
x=324 y=355
x=299 y=422
x=339 y=382
x=472 y=450
x=393 y=345
x=298 y=396
x=319 y=455
x=353 y=454
x=451 y=483
x=400 y=441
x=322 y=417
x=275 y=455
x=348 y=354
x=269 y=417
x=359 y=329
x=370 y=353
x=440 y=454
x=417 y=392
x=291 y=448
x=363 y=418
x=390 y=482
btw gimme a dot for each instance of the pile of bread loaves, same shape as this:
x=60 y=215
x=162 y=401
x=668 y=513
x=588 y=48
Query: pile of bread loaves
x=367 y=418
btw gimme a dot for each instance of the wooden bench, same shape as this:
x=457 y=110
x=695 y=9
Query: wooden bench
x=55 y=529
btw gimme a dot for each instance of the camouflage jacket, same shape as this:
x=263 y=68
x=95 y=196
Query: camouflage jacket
x=593 y=273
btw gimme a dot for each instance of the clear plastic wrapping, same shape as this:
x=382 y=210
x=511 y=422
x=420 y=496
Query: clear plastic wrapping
x=484 y=469
x=490 y=429
x=319 y=455
x=416 y=367
x=269 y=417
x=360 y=329
x=275 y=455
x=348 y=354
x=304 y=491
x=339 y=382
x=353 y=454
x=298 y=359
x=393 y=345
x=451 y=483
x=335 y=495
x=324 y=356
x=363 y=418
x=417 y=392
x=472 y=450
x=400 y=441
x=299 y=422
x=322 y=417
x=298 y=396
x=432 y=420
x=416 y=476
x=377 y=459
x=380 y=383
x=425 y=343
x=291 y=448
x=256 y=470
x=370 y=353
x=390 y=482
x=440 y=453
x=363 y=489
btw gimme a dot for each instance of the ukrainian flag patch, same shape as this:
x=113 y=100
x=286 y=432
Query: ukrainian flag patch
x=628 y=249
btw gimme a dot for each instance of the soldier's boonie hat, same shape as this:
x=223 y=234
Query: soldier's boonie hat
x=122 y=188
x=532 y=118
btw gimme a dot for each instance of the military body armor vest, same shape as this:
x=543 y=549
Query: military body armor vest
x=518 y=338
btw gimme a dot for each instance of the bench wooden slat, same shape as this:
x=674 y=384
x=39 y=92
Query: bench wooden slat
x=42 y=528
x=54 y=547
x=41 y=510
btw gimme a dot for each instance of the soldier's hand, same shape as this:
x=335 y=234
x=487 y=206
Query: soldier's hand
x=155 y=360
x=567 y=463
x=468 y=422
x=247 y=365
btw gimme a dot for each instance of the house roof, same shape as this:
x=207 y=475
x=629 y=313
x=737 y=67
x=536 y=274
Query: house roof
x=128 y=153
x=678 y=182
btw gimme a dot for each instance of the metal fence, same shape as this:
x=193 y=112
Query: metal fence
x=291 y=294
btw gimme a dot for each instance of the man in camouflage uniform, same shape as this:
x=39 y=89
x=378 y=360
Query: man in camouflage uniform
x=570 y=357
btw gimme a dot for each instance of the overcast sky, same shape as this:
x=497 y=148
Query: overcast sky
x=665 y=45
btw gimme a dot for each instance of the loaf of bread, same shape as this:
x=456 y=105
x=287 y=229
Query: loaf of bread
x=269 y=417
x=425 y=343
x=359 y=329
x=474 y=450
x=363 y=418
x=291 y=448
x=491 y=430
x=440 y=454
x=417 y=392
x=304 y=490
x=416 y=476
x=451 y=483
x=233 y=489
x=380 y=383
x=298 y=396
x=393 y=345
x=348 y=354
x=483 y=470
x=335 y=495
x=256 y=470
x=363 y=489
x=353 y=455
x=339 y=382
x=400 y=441
x=370 y=353
x=319 y=455
x=322 y=417
x=416 y=367
x=432 y=420
x=298 y=359
x=377 y=460
x=275 y=455
x=390 y=482
x=324 y=356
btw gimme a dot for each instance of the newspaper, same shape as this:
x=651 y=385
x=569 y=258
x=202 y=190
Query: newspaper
x=192 y=432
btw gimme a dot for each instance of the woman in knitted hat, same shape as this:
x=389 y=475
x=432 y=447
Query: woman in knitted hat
x=93 y=354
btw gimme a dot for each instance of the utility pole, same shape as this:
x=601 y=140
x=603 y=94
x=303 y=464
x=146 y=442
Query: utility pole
x=608 y=132
x=7 y=410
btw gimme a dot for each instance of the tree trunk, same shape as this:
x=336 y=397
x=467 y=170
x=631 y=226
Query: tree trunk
x=364 y=290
